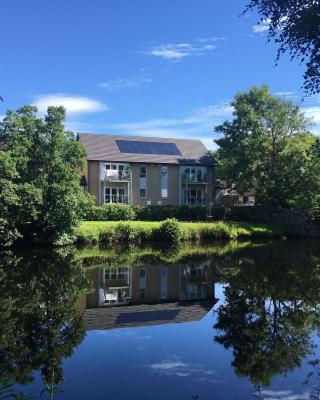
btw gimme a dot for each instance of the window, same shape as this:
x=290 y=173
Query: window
x=164 y=181
x=143 y=172
x=194 y=174
x=143 y=182
x=142 y=283
x=115 y=172
x=193 y=197
x=115 y=195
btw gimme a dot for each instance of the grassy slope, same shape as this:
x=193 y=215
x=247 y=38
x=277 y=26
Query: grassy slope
x=89 y=231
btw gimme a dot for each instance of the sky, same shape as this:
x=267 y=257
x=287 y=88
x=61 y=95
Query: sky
x=165 y=68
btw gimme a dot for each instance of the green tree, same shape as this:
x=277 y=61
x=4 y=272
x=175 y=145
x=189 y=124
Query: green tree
x=307 y=197
x=295 y=27
x=40 y=166
x=9 y=199
x=265 y=146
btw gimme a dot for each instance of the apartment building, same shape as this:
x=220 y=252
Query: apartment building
x=147 y=170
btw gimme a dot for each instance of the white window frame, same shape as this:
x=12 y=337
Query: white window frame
x=118 y=195
x=187 y=196
x=107 y=166
x=193 y=172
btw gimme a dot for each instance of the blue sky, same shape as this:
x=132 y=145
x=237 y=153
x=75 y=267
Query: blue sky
x=140 y=67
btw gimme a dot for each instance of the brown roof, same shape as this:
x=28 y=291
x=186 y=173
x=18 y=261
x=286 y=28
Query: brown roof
x=103 y=147
x=146 y=314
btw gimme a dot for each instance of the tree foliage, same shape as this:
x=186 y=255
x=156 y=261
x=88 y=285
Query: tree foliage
x=40 y=164
x=295 y=27
x=267 y=146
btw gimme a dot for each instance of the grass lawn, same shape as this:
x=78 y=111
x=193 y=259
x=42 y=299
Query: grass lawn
x=144 y=231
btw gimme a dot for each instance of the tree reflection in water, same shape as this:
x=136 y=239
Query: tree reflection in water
x=40 y=323
x=271 y=307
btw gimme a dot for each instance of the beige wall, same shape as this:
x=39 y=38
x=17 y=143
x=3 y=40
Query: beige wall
x=94 y=179
x=153 y=189
x=154 y=185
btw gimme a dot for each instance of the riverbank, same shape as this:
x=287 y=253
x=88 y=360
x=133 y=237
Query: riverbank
x=170 y=231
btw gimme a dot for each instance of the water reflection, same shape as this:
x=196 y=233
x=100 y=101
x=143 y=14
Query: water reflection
x=271 y=308
x=268 y=318
x=161 y=293
x=149 y=284
x=40 y=324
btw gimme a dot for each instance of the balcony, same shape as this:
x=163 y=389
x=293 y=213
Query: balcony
x=194 y=178
x=194 y=201
x=117 y=199
x=114 y=175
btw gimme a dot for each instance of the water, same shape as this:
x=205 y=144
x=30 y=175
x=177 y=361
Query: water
x=230 y=321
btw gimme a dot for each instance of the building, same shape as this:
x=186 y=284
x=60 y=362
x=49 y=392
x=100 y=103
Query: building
x=147 y=171
x=142 y=295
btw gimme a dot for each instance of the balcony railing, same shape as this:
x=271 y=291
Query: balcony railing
x=194 y=201
x=113 y=175
x=194 y=178
x=117 y=199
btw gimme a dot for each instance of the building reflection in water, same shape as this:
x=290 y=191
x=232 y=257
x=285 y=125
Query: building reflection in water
x=152 y=284
x=150 y=294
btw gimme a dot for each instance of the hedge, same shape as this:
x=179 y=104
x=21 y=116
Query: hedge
x=120 y=212
x=181 y=213
x=111 y=212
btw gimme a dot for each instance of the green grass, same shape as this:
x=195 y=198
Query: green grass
x=93 y=232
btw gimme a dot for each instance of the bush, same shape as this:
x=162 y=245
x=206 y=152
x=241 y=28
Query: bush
x=125 y=234
x=111 y=212
x=170 y=232
x=181 y=213
x=85 y=238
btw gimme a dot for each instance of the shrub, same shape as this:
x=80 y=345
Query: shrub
x=170 y=231
x=65 y=240
x=85 y=237
x=125 y=234
x=111 y=212
x=105 y=237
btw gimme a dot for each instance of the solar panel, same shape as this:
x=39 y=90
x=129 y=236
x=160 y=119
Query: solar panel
x=147 y=316
x=140 y=147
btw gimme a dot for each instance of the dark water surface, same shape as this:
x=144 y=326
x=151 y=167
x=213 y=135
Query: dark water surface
x=229 y=321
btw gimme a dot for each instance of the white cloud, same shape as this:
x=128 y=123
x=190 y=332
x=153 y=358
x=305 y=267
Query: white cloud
x=262 y=26
x=178 y=368
x=72 y=104
x=284 y=395
x=199 y=123
x=124 y=84
x=285 y=94
x=312 y=112
x=178 y=51
x=212 y=39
